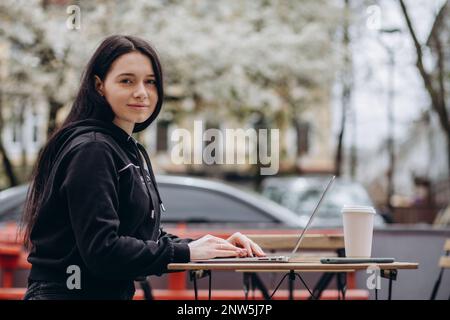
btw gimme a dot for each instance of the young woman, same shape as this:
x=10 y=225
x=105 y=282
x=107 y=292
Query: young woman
x=92 y=216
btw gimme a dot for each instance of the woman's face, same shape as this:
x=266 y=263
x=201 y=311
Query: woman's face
x=130 y=89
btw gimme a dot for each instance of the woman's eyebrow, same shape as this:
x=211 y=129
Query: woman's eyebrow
x=132 y=74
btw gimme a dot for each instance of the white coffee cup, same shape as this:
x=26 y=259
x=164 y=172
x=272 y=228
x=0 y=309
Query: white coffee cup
x=358 y=230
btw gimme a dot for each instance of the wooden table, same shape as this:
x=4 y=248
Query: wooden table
x=292 y=269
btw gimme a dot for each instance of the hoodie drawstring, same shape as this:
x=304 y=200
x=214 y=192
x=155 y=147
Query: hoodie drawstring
x=152 y=175
x=142 y=152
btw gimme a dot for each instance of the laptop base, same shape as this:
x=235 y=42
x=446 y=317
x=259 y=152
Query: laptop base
x=267 y=259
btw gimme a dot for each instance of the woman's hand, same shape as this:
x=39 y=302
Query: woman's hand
x=240 y=240
x=209 y=247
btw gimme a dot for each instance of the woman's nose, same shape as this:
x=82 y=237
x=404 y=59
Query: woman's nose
x=140 y=92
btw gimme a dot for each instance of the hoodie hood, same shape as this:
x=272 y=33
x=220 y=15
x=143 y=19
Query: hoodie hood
x=79 y=127
x=75 y=129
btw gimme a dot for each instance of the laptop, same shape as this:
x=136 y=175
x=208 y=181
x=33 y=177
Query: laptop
x=268 y=259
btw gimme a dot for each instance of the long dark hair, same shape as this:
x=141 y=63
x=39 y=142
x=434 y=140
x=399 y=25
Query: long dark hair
x=88 y=104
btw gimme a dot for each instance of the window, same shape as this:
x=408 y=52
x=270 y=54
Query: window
x=303 y=131
x=17 y=121
x=35 y=131
x=162 y=128
x=16 y=131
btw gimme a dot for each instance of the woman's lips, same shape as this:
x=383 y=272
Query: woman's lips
x=137 y=105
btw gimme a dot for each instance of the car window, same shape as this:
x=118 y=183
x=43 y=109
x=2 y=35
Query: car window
x=273 y=193
x=303 y=201
x=11 y=209
x=333 y=203
x=190 y=204
x=13 y=214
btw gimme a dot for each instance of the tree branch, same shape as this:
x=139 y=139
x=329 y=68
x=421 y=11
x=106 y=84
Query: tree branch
x=435 y=37
x=437 y=101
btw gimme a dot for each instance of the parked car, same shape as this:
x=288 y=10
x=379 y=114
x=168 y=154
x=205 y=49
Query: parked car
x=198 y=202
x=301 y=195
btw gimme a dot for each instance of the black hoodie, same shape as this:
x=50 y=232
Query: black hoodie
x=98 y=213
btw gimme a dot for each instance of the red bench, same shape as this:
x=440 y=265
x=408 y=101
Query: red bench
x=163 y=294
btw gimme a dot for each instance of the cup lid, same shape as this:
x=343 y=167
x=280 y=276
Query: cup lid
x=358 y=209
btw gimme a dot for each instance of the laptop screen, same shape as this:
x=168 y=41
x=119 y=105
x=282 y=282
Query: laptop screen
x=312 y=215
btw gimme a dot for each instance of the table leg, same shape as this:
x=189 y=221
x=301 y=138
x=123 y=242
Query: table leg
x=344 y=292
x=292 y=276
x=279 y=284
x=306 y=286
x=193 y=277
x=291 y=284
x=339 y=289
x=246 y=280
x=390 y=289
x=322 y=284
x=258 y=284
x=391 y=275
x=251 y=287
x=210 y=279
x=341 y=281
x=341 y=284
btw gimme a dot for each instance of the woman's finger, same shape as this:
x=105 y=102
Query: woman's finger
x=225 y=245
x=220 y=240
x=257 y=250
x=247 y=245
x=226 y=253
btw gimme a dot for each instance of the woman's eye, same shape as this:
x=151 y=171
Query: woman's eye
x=128 y=81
